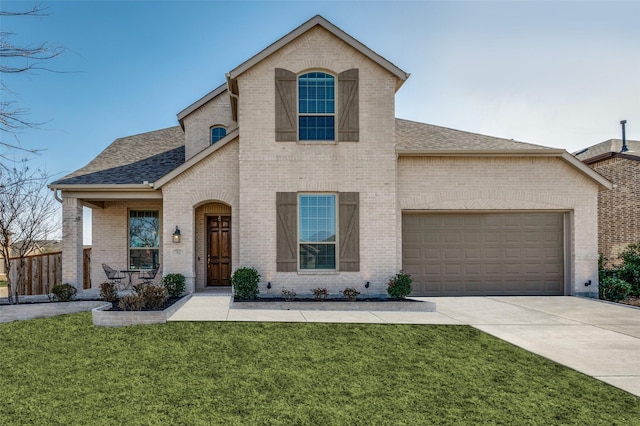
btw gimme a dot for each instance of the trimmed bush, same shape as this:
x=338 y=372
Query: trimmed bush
x=64 y=292
x=289 y=295
x=350 y=293
x=174 y=283
x=245 y=282
x=108 y=291
x=320 y=293
x=153 y=296
x=613 y=289
x=131 y=302
x=400 y=285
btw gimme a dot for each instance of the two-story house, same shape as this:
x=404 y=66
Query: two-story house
x=296 y=165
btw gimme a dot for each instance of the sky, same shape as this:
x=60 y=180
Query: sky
x=555 y=73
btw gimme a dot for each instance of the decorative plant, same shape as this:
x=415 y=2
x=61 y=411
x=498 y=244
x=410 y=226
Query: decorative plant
x=153 y=296
x=399 y=285
x=288 y=295
x=320 y=293
x=245 y=282
x=64 y=292
x=108 y=291
x=131 y=302
x=174 y=283
x=614 y=289
x=350 y=294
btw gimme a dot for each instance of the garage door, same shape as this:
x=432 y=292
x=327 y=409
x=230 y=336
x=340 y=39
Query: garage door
x=484 y=254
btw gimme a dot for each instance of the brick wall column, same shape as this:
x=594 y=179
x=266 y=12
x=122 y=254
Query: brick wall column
x=72 y=239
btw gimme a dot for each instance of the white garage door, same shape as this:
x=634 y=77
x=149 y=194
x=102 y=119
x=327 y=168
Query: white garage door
x=477 y=254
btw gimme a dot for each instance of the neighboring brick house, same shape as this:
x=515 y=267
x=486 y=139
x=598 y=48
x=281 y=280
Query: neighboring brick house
x=618 y=208
x=297 y=166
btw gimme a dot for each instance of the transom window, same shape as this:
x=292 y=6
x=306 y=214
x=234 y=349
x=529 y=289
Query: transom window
x=317 y=231
x=316 y=106
x=144 y=239
x=217 y=133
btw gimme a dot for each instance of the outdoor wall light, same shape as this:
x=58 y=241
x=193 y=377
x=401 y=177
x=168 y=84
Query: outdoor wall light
x=176 y=235
x=269 y=285
x=366 y=284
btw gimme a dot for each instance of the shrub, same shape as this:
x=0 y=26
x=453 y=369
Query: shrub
x=350 y=293
x=288 y=295
x=64 y=292
x=131 y=302
x=320 y=293
x=245 y=282
x=174 y=283
x=153 y=296
x=108 y=291
x=629 y=270
x=613 y=289
x=400 y=285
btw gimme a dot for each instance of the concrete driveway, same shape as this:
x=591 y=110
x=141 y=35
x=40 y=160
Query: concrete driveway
x=599 y=339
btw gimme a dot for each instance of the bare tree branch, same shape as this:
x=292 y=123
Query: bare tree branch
x=16 y=59
x=28 y=213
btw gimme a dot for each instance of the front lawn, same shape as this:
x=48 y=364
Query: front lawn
x=63 y=370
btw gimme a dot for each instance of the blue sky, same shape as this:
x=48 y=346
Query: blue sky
x=559 y=74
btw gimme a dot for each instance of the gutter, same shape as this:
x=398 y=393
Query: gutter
x=481 y=152
x=102 y=187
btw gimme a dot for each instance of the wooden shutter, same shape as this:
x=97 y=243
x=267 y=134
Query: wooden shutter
x=286 y=232
x=349 y=110
x=349 y=217
x=286 y=111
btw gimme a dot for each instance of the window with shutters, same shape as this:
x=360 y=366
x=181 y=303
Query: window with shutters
x=316 y=107
x=317 y=231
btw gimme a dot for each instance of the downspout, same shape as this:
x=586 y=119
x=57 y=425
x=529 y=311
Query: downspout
x=55 y=195
x=234 y=96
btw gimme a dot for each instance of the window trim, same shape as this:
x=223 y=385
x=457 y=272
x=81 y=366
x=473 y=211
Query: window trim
x=336 y=243
x=334 y=114
x=129 y=248
x=212 y=128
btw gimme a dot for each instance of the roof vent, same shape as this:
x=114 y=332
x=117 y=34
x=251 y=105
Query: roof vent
x=624 y=137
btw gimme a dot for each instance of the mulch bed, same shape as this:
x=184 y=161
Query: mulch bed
x=633 y=301
x=330 y=300
x=170 y=301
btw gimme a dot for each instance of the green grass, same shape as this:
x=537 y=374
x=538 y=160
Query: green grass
x=63 y=370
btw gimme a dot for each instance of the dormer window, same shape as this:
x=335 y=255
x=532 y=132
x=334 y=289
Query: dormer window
x=316 y=107
x=217 y=133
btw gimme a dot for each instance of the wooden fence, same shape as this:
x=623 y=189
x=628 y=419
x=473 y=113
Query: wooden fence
x=42 y=271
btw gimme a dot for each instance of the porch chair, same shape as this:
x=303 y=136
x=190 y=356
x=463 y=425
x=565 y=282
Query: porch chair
x=148 y=275
x=112 y=275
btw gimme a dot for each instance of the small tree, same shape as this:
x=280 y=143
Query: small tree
x=28 y=213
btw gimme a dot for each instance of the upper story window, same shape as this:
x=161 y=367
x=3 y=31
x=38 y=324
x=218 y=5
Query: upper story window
x=316 y=107
x=217 y=133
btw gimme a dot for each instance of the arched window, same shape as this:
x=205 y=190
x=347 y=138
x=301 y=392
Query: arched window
x=316 y=106
x=217 y=133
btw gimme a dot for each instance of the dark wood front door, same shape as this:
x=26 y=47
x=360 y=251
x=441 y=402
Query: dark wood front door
x=218 y=250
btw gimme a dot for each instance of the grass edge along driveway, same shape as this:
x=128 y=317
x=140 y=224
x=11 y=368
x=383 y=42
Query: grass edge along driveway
x=63 y=370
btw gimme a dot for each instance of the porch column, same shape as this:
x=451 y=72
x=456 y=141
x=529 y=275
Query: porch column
x=72 y=238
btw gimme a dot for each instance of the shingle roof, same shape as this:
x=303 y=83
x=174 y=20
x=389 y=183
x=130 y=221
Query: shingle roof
x=606 y=147
x=414 y=136
x=133 y=160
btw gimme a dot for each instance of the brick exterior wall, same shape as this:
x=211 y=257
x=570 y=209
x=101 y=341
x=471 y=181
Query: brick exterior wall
x=367 y=167
x=197 y=125
x=503 y=184
x=618 y=208
x=110 y=237
x=213 y=180
x=72 y=265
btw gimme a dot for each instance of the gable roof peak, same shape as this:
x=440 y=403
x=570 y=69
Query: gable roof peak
x=319 y=20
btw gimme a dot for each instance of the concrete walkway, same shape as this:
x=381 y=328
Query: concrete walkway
x=599 y=339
